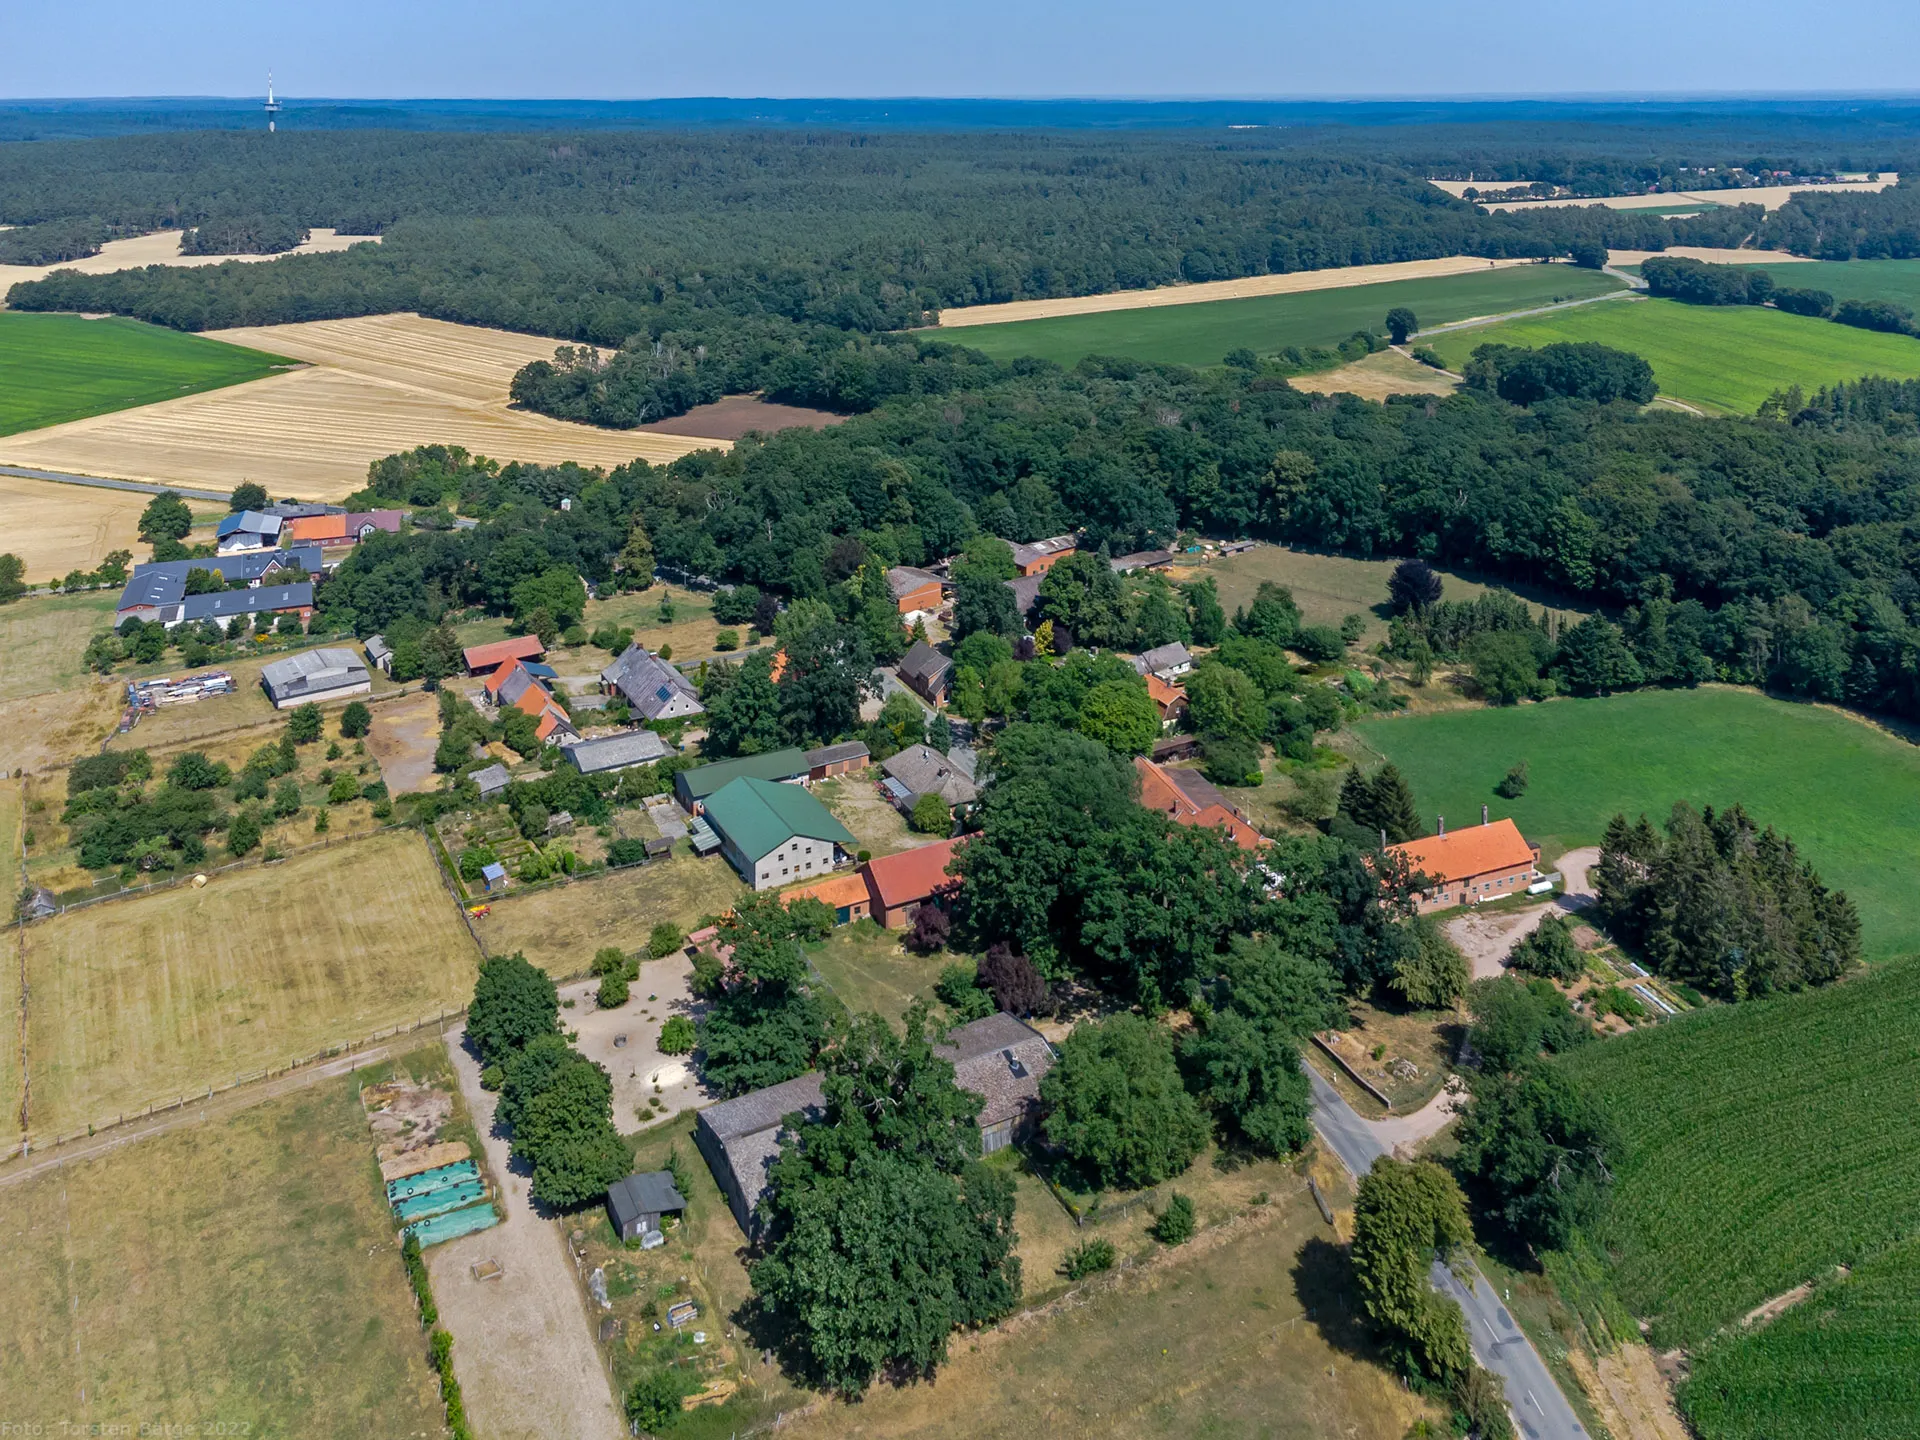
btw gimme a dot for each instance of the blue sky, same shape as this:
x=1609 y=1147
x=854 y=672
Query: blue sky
x=625 y=49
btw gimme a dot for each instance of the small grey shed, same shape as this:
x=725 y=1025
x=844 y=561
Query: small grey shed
x=636 y=1203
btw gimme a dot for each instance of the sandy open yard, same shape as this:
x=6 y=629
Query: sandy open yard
x=141 y=999
x=1294 y=283
x=163 y=248
x=1375 y=378
x=378 y=384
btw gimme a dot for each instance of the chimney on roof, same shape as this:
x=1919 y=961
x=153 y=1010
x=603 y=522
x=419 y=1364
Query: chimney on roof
x=1483 y=814
x=1443 y=826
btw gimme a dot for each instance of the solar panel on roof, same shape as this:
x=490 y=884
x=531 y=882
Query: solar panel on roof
x=665 y=692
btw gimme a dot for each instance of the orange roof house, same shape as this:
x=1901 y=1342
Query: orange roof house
x=1481 y=862
x=1188 y=798
x=847 y=894
x=333 y=532
x=900 y=882
x=483 y=658
x=1169 y=699
x=914 y=589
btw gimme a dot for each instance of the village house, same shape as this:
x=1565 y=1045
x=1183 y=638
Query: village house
x=524 y=688
x=1188 y=798
x=232 y=608
x=651 y=687
x=336 y=535
x=1042 y=555
x=485 y=659
x=774 y=834
x=379 y=654
x=325 y=674
x=915 y=591
x=1169 y=662
x=1026 y=597
x=921 y=770
x=926 y=672
x=158 y=585
x=1000 y=1059
x=901 y=883
x=1169 y=699
x=1465 y=867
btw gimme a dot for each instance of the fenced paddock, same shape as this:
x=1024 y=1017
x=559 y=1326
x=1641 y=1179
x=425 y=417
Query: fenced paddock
x=174 y=992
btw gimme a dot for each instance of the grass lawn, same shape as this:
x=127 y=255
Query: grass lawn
x=1726 y=358
x=1202 y=334
x=1846 y=792
x=1329 y=587
x=558 y=929
x=856 y=803
x=139 y=1000
x=62 y=367
x=865 y=965
x=241 y=1274
x=44 y=636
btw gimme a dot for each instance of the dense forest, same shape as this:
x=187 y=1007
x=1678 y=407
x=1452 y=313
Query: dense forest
x=1757 y=551
x=604 y=237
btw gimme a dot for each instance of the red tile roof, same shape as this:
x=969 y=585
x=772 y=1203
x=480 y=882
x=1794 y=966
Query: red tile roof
x=521 y=647
x=1158 y=792
x=1462 y=854
x=911 y=875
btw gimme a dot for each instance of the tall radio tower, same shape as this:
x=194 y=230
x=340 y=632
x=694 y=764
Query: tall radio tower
x=272 y=107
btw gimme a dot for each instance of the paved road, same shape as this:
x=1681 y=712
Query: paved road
x=141 y=486
x=1540 y=1411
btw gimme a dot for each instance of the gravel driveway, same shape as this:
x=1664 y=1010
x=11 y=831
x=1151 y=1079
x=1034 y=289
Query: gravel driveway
x=1485 y=937
x=524 y=1355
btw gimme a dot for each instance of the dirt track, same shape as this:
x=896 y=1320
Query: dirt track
x=1485 y=938
x=523 y=1352
x=1290 y=284
x=377 y=385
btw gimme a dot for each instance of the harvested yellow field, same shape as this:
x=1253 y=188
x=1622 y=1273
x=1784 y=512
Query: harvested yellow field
x=1772 y=197
x=1291 y=284
x=163 y=248
x=1712 y=255
x=56 y=528
x=377 y=384
x=144 y=999
x=1375 y=378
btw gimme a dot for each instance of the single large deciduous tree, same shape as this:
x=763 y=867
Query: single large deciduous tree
x=1404 y=1214
x=1401 y=323
x=1115 y=1104
x=884 y=1232
x=513 y=1001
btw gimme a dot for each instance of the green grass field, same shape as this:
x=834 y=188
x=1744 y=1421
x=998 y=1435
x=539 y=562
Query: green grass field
x=1202 y=334
x=1895 y=280
x=236 y=1278
x=1846 y=1361
x=1846 y=793
x=61 y=367
x=1763 y=1145
x=1725 y=358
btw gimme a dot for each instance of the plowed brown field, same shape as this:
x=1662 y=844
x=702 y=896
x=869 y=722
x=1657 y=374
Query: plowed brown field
x=378 y=384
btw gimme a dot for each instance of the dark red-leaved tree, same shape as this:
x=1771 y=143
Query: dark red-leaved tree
x=1015 y=985
x=929 y=930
